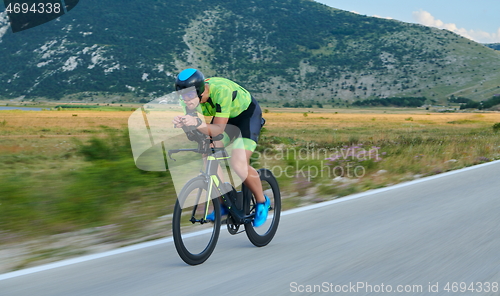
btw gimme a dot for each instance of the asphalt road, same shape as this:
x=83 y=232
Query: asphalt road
x=411 y=239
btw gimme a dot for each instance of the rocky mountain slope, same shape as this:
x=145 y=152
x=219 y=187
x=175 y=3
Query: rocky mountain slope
x=288 y=50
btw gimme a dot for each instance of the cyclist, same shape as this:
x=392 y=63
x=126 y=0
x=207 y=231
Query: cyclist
x=227 y=103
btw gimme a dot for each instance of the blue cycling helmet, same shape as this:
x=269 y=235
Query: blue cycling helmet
x=190 y=77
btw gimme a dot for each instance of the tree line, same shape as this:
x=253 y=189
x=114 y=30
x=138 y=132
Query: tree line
x=393 y=102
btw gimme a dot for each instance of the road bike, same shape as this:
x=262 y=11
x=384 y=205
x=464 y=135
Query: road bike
x=194 y=236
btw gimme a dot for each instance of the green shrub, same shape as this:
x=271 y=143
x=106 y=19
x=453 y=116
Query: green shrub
x=496 y=127
x=17 y=209
x=114 y=146
x=98 y=190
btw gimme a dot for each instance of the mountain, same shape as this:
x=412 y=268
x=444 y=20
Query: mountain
x=283 y=50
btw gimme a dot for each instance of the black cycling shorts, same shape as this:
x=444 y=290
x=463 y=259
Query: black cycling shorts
x=249 y=123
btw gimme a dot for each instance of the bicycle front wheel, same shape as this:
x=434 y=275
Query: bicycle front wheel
x=195 y=237
x=261 y=236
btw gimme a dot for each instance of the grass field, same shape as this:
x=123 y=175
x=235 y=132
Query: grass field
x=69 y=170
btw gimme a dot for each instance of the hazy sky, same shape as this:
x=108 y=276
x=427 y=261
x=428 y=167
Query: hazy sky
x=477 y=20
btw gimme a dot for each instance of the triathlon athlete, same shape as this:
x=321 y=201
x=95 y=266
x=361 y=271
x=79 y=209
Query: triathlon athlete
x=228 y=103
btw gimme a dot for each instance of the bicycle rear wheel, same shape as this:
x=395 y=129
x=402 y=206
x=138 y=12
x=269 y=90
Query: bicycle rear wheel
x=261 y=236
x=194 y=237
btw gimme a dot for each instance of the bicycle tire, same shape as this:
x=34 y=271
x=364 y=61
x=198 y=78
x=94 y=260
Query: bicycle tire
x=261 y=236
x=194 y=245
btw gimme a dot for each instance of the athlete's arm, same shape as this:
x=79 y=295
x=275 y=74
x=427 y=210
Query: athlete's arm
x=216 y=128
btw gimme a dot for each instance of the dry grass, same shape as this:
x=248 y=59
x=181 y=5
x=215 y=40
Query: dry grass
x=50 y=133
x=346 y=120
x=17 y=122
x=328 y=127
x=59 y=123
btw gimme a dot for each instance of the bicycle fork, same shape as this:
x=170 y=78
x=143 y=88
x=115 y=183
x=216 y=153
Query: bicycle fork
x=195 y=207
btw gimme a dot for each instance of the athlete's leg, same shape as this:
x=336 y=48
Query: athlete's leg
x=249 y=123
x=240 y=162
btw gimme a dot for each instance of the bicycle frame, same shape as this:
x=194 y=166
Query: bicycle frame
x=214 y=182
x=212 y=166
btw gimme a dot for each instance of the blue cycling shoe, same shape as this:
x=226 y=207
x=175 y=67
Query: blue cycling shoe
x=223 y=211
x=261 y=211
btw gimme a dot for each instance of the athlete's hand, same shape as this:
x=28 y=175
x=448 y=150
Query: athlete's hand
x=178 y=123
x=189 y=120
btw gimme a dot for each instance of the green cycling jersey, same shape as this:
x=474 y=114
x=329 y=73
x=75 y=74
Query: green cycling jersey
x=227 y=98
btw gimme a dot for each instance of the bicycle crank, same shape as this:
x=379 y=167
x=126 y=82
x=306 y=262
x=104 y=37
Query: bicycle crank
x=232 y=227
